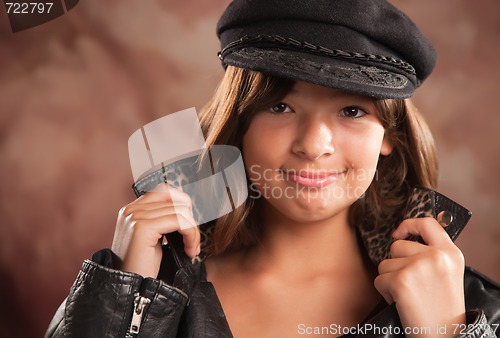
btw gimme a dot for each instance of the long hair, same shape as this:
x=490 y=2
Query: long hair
x=242 y=93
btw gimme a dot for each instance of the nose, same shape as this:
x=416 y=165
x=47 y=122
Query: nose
x=314 y=139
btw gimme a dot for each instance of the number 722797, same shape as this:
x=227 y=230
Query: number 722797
x=28 y=7
x=461 y=329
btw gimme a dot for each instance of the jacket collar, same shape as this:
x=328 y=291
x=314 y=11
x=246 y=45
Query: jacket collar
x=421 y=203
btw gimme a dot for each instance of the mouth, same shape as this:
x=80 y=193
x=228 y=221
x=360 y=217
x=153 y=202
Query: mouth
x=312 y=179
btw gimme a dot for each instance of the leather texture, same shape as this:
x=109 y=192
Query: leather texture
x=101 y=301
x=430 y=203
x=184 y=304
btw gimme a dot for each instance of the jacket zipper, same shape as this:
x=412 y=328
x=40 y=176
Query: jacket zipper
x=140 y=303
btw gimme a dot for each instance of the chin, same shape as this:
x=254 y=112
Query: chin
x=318 y=217
x=312 y=210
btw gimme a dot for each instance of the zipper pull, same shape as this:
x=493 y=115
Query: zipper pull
x=139 y=304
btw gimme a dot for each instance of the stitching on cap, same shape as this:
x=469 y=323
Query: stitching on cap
x=372 y=76
x=321 y=50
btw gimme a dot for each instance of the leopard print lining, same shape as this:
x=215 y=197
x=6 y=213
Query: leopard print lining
x=378 y=240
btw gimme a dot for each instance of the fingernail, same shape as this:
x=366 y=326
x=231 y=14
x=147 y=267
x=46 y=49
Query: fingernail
x=395 y=235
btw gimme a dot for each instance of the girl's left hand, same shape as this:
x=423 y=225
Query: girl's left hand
x=425 y=281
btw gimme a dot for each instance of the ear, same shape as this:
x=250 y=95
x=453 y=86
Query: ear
x=387 y=146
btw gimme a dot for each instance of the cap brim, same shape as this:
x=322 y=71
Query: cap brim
x=323 y=70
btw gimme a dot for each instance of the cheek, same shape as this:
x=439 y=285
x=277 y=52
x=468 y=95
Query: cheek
x=252 y=145
x=263 y=145
x=364 y=149
x=362 y=154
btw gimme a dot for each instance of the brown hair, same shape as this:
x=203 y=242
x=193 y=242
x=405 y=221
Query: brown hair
x=242 y=93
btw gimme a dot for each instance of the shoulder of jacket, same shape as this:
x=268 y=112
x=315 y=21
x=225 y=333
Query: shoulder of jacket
x=482 y=295
x=473 y=276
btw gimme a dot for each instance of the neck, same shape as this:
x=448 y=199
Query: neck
x=314 y=248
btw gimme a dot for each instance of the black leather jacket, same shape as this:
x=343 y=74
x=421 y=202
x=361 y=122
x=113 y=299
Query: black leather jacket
x=104 y=302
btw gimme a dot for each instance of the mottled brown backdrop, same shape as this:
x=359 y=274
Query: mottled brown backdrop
x=74 y=89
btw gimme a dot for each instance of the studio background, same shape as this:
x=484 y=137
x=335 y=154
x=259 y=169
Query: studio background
x=73 y=90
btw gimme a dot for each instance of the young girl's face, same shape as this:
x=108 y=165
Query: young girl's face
x=314 y=153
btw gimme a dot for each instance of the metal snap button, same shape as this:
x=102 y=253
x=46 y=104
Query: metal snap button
x=444 y=218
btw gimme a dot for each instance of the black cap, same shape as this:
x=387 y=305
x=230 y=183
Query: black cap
x=362 y=46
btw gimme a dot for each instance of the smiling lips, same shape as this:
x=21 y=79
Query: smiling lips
x=312 y=179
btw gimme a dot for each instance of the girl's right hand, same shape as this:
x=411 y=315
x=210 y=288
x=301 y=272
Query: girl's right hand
x=141 y=225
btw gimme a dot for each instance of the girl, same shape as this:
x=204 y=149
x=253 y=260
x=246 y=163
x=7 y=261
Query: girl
x=315 y=96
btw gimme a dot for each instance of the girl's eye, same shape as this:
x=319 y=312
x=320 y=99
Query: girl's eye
x=281 y=108
x=352 y=112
